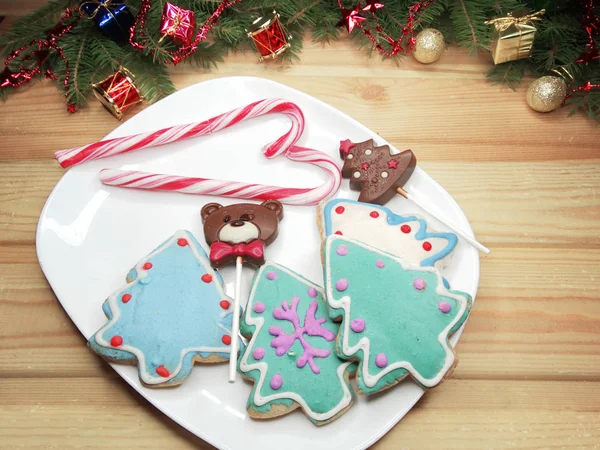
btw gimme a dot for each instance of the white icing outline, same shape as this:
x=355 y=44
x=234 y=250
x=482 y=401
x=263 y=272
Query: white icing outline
x=364 y=343
x=262 y=367
x=141 y=274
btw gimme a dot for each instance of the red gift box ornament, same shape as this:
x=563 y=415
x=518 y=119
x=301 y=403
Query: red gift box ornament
x=117 y=92
x=178 y=23
x=270 y=37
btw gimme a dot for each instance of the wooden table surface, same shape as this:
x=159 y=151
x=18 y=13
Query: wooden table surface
x=529 y=369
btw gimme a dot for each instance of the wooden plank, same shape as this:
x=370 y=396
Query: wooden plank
x=100 y=412
x=519 y=328
x=408 y=104
x=557 y=202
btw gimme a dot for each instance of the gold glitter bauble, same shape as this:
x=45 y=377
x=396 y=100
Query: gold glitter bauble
x=546 y=94
x=429 y=46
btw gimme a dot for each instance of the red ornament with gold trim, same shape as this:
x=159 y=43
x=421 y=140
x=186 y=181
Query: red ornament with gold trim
x=178 y=23
x=270 y=37
x=118 y=92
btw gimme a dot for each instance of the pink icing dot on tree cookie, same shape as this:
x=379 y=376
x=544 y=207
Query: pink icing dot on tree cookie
x=342 y=250
x=358 y=325
x=380 y=264
x=258 y=353
x=342 y=284
x=271 y=276
x=276 y=381
x=419 y=283
x=444 y=307
x=259 y=307
x=381 y=360
x=312 y=292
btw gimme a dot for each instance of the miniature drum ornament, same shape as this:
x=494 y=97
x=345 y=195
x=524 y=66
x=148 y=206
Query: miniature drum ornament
x=118 y=92
x=270 y=37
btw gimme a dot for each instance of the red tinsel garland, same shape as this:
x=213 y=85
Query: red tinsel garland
x=351 y=18
x=184 y=51
x=8 y=78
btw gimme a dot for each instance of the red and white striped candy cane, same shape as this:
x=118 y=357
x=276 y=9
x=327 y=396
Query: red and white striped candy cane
x=116 y=146
x=206 y=186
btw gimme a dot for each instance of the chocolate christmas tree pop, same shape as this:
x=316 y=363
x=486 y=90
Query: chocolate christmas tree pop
x=379 y=175
x=375 y=171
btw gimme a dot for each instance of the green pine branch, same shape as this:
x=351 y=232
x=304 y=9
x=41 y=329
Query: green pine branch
x=92 y=56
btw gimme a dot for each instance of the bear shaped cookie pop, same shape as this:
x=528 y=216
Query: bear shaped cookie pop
x=236 y=234
x=240 y=230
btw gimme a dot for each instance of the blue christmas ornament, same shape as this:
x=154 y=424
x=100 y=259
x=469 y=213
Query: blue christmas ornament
x=111 y=16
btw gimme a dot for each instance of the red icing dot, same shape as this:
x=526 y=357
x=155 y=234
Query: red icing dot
x=226 y=339
x=126 y=298
x=207 y=277
x=182 y=242
x=116 y=341
x=405 y=229
x=340 y=210
x=147 y=266
x=224 y=304
x=374 y=214
x=162 y=371
x=338 y=232
x=426 y=246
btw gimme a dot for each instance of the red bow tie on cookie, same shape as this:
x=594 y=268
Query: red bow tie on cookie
x=220 y=250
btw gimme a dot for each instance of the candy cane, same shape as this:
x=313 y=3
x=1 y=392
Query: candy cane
x=206 y=186
x=103 y=149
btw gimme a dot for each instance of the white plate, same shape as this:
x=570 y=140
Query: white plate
x=89 y=236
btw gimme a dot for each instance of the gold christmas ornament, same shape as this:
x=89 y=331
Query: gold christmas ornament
x=429 y=46
x=546 y=93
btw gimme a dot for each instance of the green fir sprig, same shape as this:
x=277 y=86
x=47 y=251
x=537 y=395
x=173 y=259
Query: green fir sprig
x=559 y=41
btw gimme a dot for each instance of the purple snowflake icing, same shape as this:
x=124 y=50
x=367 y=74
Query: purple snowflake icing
x=312 y=327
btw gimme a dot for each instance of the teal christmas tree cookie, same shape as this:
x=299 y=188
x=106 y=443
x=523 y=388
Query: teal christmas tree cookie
x=172 y=312
x=395 y=317
x=290 y=356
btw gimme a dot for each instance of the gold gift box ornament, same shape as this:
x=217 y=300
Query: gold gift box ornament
x=512 y=37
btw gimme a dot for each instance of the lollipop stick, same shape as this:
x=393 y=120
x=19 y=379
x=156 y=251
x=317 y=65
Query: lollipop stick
x=440 y=219
x=235 y=325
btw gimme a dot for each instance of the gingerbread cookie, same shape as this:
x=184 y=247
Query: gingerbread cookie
x=379 y=227
x=241 y=229
x=396 y=317
x=172 y=312
x=290 y=356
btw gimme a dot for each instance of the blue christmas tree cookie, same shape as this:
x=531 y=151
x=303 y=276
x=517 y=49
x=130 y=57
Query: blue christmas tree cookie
x=172 y=312
x=379 y=227
x=395 y=317
x=290 y=356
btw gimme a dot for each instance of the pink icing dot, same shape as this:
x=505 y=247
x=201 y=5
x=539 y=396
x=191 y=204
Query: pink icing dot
x=312 y=292
x=342 y=284
x=419 y=283
x=380 y=264
x=381 y=360
x=259 y=307
x=276 y=381
x=342 y=250
x=444 y=307
x=357 y=325
x=271 y=276
x=258 y=353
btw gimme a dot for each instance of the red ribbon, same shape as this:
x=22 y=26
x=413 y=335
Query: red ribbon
x=220 y=250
